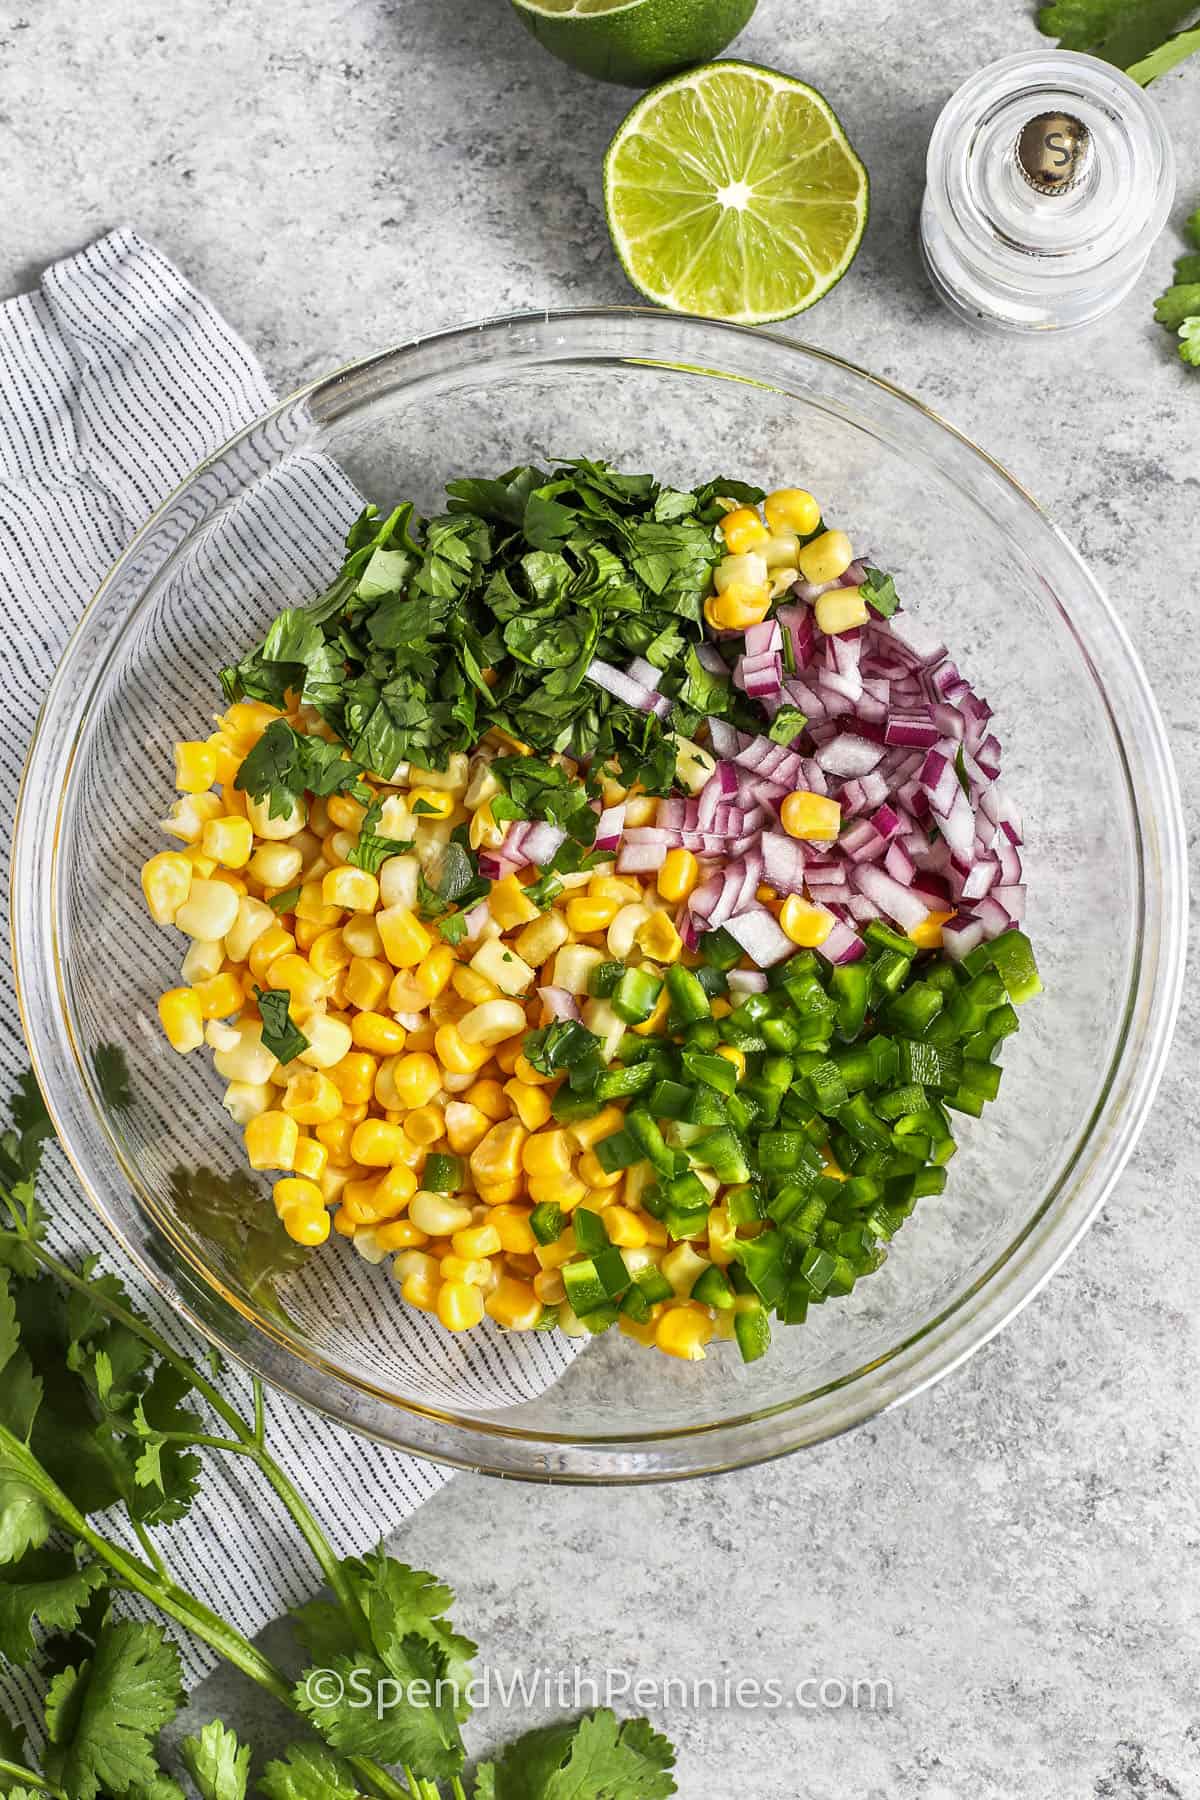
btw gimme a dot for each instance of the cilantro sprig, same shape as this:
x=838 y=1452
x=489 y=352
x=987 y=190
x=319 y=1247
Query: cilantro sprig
x=285 y=764
x=1146 y=38
x=1179 y=308
x=99 y=1411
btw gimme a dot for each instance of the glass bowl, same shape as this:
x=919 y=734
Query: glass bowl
x=259 y=526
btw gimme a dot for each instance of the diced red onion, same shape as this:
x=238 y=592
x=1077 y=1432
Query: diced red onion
x=619 y=685
x=747 y=981
x=961 y=935
x=559 y=1003
x=476 y=919
x=893 y=899
x=842 y=946
x=610 y=825
x=761 y=937
x=764 y=639
x=642 y=859
x=849 y=755
x=542 y=843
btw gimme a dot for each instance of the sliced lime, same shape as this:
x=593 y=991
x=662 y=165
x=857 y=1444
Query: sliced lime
x=733 y=192
x=634 y=42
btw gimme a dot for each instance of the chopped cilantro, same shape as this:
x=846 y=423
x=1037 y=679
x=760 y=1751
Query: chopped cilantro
x=284 y=902
x=559 y=1046
x=285 y=764
x=372 y=850
x=879 y=592
x=279 y=1034
x=787 y=724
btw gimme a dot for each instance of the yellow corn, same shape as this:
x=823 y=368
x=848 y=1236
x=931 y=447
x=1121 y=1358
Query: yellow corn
x=531 y=1104
x=593 y=1172
x=499 y=1193
x=547 y=1153
x=553 y=1256
x=472 y=987
x=658 y=1018
x=355 y=890
x=271 y=1141
x=513 y=1229
x=455 y=1054
x=457 y=1268
x=273 y=943
x=296 y=976
x=683 y=1331
x=336 y=1137
x=588 y=1132
x=742 y=530
x=733 y=1055
x=416 y=1078
x=220 y=996
x=307 y=932
x=513 y=1304
x=459 y=1303
x=376 y=1144
x=489 y=1024
x=624 y=1228
x=200 y=865
x=805 y=924
x=367 y=982
x=524 y=1070
x=541 y=939
x=792 y=509
x=587 y=913
x=166 y=881
x=842 y=609
x=229 y=841
x=509 y=904
x=498 y=1155
x=658 y=939
x=406 y=942
x=811 y=816
x=466 y=1126
x=313 y=906
x=567 y=1190
x=300 y=1205
x=928 y=934
x=434 y=971
x=439 y=1215
x=399 y=1234
x=505 y=1055
x=549 y=1287
x=678 y=875
x=209 y=910
x=276 y=865
x=311 y=1158
x=354 y=1077
x=195 y=766
x=425 y=1124
x=329 y=953
x=476 y=1240
x=376 y=1031
x=373 y=1201
x=311 y=1099
x=182 y=1019
x=827 y=557
x=740 y=605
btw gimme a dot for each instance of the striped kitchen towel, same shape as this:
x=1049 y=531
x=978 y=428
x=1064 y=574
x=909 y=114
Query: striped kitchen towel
x=116 y=380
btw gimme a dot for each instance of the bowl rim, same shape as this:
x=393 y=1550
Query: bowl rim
x=942 y=1342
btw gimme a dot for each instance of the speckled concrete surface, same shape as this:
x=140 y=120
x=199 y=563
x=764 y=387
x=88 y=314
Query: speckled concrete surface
x=1015 y=1552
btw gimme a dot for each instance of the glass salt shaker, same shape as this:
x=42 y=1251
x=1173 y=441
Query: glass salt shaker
x=1049 y=177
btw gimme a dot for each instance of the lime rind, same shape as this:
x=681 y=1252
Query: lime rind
x=793 y=219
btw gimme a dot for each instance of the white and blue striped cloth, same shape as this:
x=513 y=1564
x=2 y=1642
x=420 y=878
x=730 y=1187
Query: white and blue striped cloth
x=116 y=380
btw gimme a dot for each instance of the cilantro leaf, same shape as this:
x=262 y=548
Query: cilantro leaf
x=102 y=1716
x=372 y=850
x=308 y=1772
x=879 y=592
x=595 y=1759
x=279 y=1035
x=787 y=724
x=226 y=1213
x=112 y=1073
x=46 y=1586
x=1180 y=303
x=217 y=1763
x=24 y=1520
x=284 y=902
x=703 y=690
x=285 y=764
x=453 y=927
x=1189 y=348
x=375 y=1715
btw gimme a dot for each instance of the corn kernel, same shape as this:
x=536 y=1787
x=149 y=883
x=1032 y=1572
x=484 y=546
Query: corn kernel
x=678 y=875
x=367 y=982
x=439 y=1215
x=405 y=940
x=506 y=968
x=300 y=1205
x=466 y=1126
x=683 y=1331
x=459 y=1305
x=399 y=1234
x=209 y=910
x=826 y=558
x=842 y=609
x=476 y=1240
x=271 y=1141
x=195 y=766
x=928 y=934
x=805 y=924
x=549 y=1287
x=295 y=976
x=376 y=1144
x=456 y=1055
x=229 y=841
x=811 y=816
x=329 y=954
x=531 y=1104
x=434 y=971
x=733 y=1055
x=472 y=987
x=547 y=1153
x=512 y=1226
x=514 y=1305
x=499 y=1193
x=182 y=1018
x=354 y=1077
x=276 y=941
x=415 y=1078
x=311 y=1098
x=566 y=1190
x=658 y=939
x=311 y=1158
x=792 y=509
x=166 y=881
x=425 y=1125
x=220 y=996
x=541 y=939
x=624 y=1228
x=587 y=913
x=738 y=607
x=376 y=1031
x=498 y=1155
x=509 y=904
x=200 y=865
x=595 y=1174
x=658 y=1018
x=487 y=1025
x=742 y=530
x=353 y=890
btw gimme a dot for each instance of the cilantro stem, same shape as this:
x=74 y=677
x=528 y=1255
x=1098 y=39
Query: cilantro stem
x=249 y=1441
x=29 y=1778
x=151 y=1549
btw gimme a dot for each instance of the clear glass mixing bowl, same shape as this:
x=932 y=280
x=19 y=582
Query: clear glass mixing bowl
x=1085 y=756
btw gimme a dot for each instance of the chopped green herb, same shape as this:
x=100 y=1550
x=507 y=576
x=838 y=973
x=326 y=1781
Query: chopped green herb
x=279 y=1035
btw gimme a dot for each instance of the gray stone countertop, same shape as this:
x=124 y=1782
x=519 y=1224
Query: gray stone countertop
x=1016 y=1551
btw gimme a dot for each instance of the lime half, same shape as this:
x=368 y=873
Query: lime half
x=634 y=42
x=733 y=192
